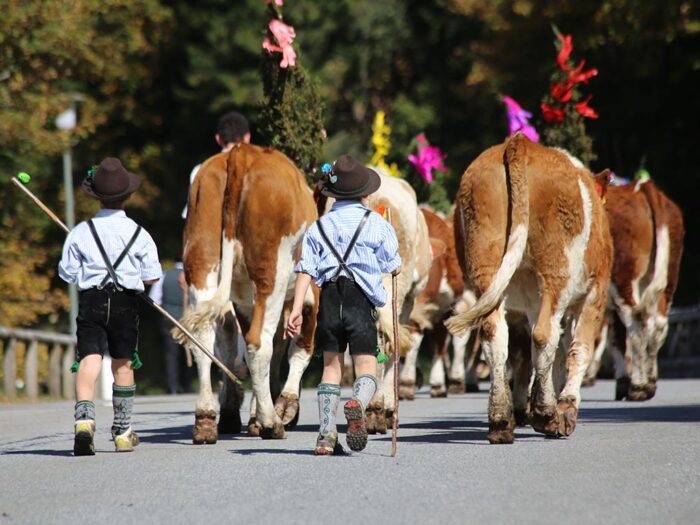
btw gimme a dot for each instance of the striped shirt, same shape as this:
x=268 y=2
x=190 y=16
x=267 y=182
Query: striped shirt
x=83 y=265
x=376 y=250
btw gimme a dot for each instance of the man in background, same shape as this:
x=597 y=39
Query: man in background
x=231 y=129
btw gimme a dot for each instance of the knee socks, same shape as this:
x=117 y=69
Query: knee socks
x=123 y=404
x=328 y=398
x=84 y=410
x=363 y=389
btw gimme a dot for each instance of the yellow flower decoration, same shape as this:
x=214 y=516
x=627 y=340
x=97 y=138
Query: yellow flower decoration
x=381 y=144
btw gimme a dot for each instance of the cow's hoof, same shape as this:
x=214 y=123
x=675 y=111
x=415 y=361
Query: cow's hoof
x=287 y=407
x=276 y=432
x=407 y=391
x=293 y=423
x=622 y=387
x=254 y=428
x=371 y=421
x=568 y=413
x=472 y=388
x=229 y=422
x=637 y=393
x=438 y=391
x=389 y=418
x=650 y=388
x=521 y=417
x=454 y=386
x=501 y=432
x=381 y=423
x=204 y=430
x=545 y=421
x=588 y=381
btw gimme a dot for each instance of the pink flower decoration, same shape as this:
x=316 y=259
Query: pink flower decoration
x=284 y=35
x=518 y=120
x=277 y=2
x=429 y=158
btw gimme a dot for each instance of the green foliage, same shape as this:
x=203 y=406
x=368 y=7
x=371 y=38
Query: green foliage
x=291 y=116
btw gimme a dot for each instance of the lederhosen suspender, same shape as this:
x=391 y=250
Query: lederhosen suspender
x=110 y=268
x=342 y=261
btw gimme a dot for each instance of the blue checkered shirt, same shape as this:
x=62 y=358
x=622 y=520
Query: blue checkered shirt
x=83 y=265
x=376 y=250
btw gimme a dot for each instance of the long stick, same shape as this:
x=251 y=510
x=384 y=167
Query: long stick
x=395 y=320
x=395 y=315
x=147 y=299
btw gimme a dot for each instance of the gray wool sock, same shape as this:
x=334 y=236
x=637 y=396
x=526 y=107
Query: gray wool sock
x=328 y=399
x=363 y=389
x=123 y=404
x=84 y=410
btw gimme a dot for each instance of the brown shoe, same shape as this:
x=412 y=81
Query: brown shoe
x=357 y=430
x=328 y=445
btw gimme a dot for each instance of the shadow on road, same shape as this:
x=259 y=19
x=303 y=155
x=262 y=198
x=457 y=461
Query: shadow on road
x=64 y=453
x=634 y=412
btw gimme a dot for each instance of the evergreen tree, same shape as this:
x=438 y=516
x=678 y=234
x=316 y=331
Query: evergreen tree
x=564 y=108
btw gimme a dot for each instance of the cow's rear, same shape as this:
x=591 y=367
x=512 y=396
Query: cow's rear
x=534 y=239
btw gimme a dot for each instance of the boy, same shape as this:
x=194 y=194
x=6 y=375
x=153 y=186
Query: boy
x=109 y=258
x=351 y=289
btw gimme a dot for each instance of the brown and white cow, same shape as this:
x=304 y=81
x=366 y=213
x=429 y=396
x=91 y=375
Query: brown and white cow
x=535 y=239
x=444 y=286
x=248 y=211
x=647 y=231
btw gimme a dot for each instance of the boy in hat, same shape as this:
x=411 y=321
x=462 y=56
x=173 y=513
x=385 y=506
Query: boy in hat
x=109 y=258
x=345 y=252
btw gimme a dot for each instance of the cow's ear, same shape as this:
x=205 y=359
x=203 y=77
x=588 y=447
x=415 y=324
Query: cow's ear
x=437 y=247
x=602 y=180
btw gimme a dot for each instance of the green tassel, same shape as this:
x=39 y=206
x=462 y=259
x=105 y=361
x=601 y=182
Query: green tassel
x=381 y=357
x=136 y=362
x=74 y=367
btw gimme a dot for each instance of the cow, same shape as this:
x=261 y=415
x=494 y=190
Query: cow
x=534 y=239
x=647 y=231
x=248 y=211
x=443 y=287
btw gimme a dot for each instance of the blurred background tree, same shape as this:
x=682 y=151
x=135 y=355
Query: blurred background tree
x=156 y=75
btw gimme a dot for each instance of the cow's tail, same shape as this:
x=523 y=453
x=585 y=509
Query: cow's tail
x=205 y=313
x=662 y=248
x=386 y=331
x=515 y=162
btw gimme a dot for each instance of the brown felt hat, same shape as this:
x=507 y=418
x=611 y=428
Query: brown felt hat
x=111 y=181
x=349 y=179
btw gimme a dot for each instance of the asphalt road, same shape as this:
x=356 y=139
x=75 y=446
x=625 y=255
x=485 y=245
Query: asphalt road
x=627 y=462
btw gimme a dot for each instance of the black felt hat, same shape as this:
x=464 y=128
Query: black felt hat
x=350 y=179
x=111 y=181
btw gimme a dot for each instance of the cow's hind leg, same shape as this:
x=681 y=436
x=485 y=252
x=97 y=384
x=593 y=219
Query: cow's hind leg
x=456 y=376
x=300 y=351
x=545 y=338
x=494 y=340
x=407 y=377
x=577 y=360
x=520 y=358
x=265 y=319
x=231 y=394
x=204 y=431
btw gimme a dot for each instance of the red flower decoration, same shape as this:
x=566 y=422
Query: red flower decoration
x=562 y=90
x=584 y=109
x=565 y=51
x=551 y=114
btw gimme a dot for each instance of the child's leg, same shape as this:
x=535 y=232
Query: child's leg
x=86 y=377
x=328 y=399
x=123 y=392
x=365 y=385
x=362 y=392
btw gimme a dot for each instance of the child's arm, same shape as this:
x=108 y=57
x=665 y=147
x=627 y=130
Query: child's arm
x=295 y=318
x=71 y=260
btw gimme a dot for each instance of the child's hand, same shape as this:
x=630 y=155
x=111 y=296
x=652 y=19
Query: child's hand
x=293 y=324
x=397 y=271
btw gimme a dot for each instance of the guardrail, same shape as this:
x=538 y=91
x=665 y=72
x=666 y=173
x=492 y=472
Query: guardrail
x=61 y=351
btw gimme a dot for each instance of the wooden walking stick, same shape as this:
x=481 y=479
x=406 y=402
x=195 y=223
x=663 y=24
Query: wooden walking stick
x=23 y=177
x=395 y=322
